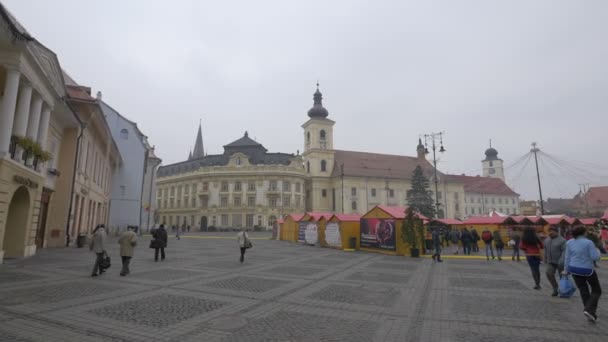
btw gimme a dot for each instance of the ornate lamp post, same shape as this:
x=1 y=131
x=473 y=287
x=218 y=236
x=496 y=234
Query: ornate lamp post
x=433 y=138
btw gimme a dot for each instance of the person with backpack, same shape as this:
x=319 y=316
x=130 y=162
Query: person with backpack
x=244 y=243
x=455 y=238
x=487 y=238
x=499 y=244
x=532 y=246
x=580 y=254
x=466 y=239
x=159 y=242
x=476 y=239
x=515 y=240
x=555 y=247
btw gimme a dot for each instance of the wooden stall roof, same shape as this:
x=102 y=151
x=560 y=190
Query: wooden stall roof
x=316 y=216
x=588 y=221
x=398 y=212
x=295 y=217
x=447 y=222
x=346 y=217
x=490 y=220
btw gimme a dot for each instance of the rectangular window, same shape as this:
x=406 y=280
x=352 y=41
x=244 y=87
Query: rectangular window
x=214 y=221
x=272 y=202
x=512 y=200
x=186 y=201
x=354 y=205
x=237 y=201
x=224 y=186
x=165 y=204
x=273 y=186
x=457 y=207
x=205 y=186
x=158 y=203
x=172 y=191
x=194 y=189
x=237 y=220
x=249 y=220
x=500 y=201
x=224 y=220
x=353 y=191
x=237 y=186
x=179 y=203
x=508 y=211
x=485 y=200
x=172 y=203
x=323 y=192
x=298 y=201
x=493 y=200
x=391 y=193
x=179 y=191
x=223 y=201
x=373 y=192
x=298 y=187
x=194 y=202
x=186 y=189
x=286 y=201
x=259 y=220
x=204 y=202
x=251 y=186
x=251 y=201
x=286 y=186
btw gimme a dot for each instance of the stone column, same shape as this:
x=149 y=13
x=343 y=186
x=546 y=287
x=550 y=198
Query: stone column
x=7 y=109
x=43 y=130
x=22 y=115
x=34 y=120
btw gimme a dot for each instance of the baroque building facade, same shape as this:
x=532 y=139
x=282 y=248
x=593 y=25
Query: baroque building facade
x=246 y=186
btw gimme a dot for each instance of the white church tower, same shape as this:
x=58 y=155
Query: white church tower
x=492 y=165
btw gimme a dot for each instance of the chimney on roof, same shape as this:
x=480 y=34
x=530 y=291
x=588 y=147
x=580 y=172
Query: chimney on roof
x=98 y=95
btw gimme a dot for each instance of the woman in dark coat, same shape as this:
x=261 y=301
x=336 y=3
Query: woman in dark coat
x=475 y=238
x=159 y=242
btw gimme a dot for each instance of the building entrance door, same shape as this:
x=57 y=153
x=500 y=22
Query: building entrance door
x=15 y=230
x=204 y=223
x=44 y=210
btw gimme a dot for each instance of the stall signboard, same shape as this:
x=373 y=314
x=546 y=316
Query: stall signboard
x=302 y=231
x=332 y=235
x=378 y=233
x=310 y=234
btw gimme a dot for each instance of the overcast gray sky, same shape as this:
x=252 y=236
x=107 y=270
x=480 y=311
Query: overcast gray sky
x=513 y=71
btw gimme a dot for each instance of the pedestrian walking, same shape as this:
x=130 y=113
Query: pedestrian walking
x=455 y=237
x=98 y=246
x=467 y=240
x=555 y=248
x=486 y=237
x=604 y=236
x=532 y=246
x=476 y=239
x=446 y=237
x=436 y=238
x=127 y=242
x=514 y=242
x=498 y=244
x=244 y=243
x=188 y=228
x=580 y=254
x=159 y=242
x=178 y=232
x=591 y=235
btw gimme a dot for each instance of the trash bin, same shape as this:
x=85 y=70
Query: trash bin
x=81 y=240
x=353 y=242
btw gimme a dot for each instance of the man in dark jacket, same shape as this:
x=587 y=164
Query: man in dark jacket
x=555 y=251
x=436 y=237
x=455 y=237
x=159 y=242
x=466 y=239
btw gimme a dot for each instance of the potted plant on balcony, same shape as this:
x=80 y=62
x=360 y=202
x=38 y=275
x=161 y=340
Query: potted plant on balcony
x=40 y=155
x=27 y=145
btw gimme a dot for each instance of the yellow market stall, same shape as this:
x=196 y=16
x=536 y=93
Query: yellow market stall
x=289 y=228
x=308 y=229
x=339 y=230
x=381 y=230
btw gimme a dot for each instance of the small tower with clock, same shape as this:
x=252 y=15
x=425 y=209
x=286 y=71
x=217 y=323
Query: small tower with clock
x=492 y=165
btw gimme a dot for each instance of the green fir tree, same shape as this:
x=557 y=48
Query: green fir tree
x=420 y=196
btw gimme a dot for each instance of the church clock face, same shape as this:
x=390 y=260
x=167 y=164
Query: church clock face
x=491 y=171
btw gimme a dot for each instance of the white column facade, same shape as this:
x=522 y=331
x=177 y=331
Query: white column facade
x=43 y=130
x=23 y=111
x=7 y=108
x=34 y=120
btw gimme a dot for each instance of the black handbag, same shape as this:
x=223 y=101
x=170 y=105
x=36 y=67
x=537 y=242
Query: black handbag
x=106 y=262
x=248 y=244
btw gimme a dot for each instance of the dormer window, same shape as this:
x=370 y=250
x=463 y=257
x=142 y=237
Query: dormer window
x=238 y=161
x=124 y=134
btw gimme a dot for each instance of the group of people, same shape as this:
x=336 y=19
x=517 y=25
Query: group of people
x=128 y=241
x=575 y=255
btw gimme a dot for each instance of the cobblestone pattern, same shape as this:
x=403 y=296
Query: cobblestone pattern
x=504 y=307
x=486 y=283
x=368 y=295
x=291 y=326
x=379 y=277
x=166 y=274
x=392 y=266
x=248 y=284
x=158 y=311
x=295 y=270
x=54 y=293
x=15 y=277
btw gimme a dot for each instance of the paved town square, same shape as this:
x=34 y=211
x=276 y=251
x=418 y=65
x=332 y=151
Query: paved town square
x=283 y=292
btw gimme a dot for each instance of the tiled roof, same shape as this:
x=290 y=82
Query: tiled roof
x=597 y=196
x=483 y=185
x=364 y=164
x=398 y=212
x=80 y=93
x=449 y=222
x=347 y=217
x=316 y=216
x=296 y=217
x=588 y=221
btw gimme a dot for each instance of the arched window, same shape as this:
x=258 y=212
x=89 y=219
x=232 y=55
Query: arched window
x=308 y=166
x=124 y=134
x=308 y=137
x=323 y=166
x=322 y=134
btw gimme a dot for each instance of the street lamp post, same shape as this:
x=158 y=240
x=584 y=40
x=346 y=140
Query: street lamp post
x=433 y=138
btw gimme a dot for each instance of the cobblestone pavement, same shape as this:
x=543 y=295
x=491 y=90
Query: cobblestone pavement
x=283 y=292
